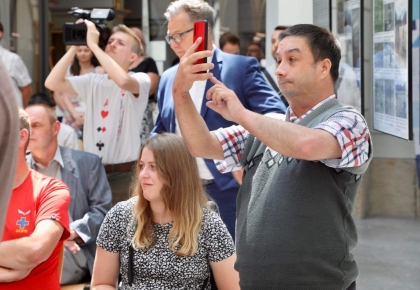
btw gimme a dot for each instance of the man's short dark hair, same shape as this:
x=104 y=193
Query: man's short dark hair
x=257 y=44
x=229 y=37
x=321 y=42
x=41 y=98
x=281 y=27
x=1 y=27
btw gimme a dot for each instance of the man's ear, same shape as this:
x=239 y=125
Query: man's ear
x=325 y=66
x=133 y=57
x=24 y=136
x=56 y=128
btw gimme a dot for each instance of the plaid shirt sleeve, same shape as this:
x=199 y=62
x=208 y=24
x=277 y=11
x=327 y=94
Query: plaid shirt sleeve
x=353 y=135
x=232 y=140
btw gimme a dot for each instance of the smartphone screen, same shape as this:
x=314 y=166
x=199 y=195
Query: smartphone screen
x=201 y=30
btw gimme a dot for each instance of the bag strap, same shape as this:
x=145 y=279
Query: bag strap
x=130 y=272
x=270 y=79
x=274 y=85
x=206 y=282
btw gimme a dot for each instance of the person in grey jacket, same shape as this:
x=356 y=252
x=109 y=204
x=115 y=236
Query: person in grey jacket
x=85 y=177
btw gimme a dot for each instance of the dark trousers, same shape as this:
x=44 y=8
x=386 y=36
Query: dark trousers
x=352 y=286
x=120 y=183
x=226 y=201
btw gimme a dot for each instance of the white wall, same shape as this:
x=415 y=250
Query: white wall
x=5 y=20
x=285 y=12
x=295 y=12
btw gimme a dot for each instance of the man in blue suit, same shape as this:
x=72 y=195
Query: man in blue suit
x=85 y=177
x=239 y=73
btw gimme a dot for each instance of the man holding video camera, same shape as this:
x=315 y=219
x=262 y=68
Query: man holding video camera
x=115 y=103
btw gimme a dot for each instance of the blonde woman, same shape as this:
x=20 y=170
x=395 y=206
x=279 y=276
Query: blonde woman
x=176 y=238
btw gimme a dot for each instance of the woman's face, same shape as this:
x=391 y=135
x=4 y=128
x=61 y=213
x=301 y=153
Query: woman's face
x=84 y=54
x=149 y=177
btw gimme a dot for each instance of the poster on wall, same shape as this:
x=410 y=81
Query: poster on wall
x=392 y=63
x=321 y=13
x=347 y=26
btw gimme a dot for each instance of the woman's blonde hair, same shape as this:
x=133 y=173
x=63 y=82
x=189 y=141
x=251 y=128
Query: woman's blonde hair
x=182 y=193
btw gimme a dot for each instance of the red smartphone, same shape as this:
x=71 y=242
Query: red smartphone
x=201 y=29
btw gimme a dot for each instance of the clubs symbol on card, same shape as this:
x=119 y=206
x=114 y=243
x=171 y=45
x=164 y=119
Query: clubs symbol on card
x=100 y=145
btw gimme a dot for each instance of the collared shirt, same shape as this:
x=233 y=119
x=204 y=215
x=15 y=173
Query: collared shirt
x=349 y=128
x=17 y=72
x=197 y=95
x=54 y=167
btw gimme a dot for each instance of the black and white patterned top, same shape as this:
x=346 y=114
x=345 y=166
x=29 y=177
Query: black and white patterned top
x=158 y=267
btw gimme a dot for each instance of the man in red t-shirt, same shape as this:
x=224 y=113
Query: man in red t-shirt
x=36 y=225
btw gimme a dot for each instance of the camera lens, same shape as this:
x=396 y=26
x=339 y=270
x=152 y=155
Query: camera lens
x=80 y=35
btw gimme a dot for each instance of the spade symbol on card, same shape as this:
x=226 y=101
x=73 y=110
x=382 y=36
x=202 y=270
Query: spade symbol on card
x=99 y=129
x=104 y=114
x=100 y=145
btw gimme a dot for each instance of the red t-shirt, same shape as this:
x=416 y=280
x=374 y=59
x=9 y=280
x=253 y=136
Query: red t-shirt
x=25 y=210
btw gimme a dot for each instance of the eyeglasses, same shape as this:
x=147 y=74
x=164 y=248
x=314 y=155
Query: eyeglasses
x=177 y=37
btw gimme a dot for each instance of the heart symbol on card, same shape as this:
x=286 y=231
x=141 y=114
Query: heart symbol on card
x=103 y=129
x=104 y=114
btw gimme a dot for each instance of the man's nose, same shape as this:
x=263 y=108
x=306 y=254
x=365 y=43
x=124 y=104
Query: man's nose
x=174 y=44
x=279 y=70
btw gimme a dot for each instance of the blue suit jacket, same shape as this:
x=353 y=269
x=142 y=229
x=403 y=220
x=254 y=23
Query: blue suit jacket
x=239 y=73
x=91 y=196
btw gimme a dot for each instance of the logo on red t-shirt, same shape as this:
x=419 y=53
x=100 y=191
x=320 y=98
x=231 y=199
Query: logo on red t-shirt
x=22 y=223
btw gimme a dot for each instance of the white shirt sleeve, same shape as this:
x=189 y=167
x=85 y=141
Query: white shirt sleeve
x=20 y=73
x=144 y=84
x=82 y=85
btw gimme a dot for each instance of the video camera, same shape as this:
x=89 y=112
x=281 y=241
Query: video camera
x=75 y=34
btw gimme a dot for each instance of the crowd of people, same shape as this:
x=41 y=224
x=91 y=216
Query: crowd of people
x=246 y=180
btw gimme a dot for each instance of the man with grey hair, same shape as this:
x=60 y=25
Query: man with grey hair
x=240 y=74
x=85 y=177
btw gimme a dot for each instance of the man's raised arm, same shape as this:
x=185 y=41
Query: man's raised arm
x=200 y=141
x=112 y=68
x=56 y=80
